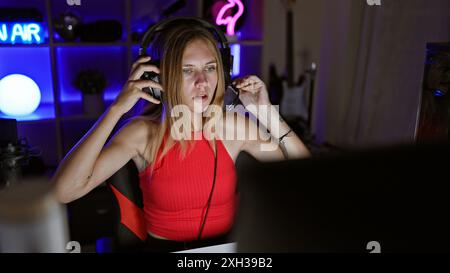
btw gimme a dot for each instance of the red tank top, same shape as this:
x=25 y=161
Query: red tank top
x=176 y=191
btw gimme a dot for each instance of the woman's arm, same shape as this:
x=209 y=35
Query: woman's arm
x=282 y=143
x=289 y=143
x=88 y=163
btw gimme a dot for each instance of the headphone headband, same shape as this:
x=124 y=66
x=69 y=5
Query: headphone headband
x=162 y=25
x=225 y=51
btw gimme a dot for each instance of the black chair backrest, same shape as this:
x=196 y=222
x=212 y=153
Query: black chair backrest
x=130 y=232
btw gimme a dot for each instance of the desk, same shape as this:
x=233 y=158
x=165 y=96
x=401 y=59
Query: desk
x=223 y=248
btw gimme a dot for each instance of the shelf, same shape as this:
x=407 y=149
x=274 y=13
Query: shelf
x=242 y=42
x=45 y=111
x=78 y=117
x=110 y=60
x=81 y=44
x=61 y=121
x=37 y=121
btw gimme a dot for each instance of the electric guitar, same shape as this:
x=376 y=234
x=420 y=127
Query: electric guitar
x=294 y=96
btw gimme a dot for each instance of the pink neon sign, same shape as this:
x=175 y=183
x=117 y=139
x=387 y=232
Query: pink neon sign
x=230 y=21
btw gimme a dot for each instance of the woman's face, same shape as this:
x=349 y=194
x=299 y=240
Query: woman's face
x=199 y=75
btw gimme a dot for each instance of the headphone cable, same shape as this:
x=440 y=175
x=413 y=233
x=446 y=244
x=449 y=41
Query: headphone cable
x=203 y=222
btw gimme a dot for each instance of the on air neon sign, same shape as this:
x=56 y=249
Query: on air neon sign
x=21 y=33
x=230 y=21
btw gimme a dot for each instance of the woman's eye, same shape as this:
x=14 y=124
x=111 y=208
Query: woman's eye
x=187 y=71
x=211 y=69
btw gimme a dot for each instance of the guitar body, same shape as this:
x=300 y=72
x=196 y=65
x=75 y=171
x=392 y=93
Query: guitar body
x=294 y=104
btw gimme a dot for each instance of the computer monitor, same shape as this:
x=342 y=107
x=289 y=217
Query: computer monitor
x=392 y=199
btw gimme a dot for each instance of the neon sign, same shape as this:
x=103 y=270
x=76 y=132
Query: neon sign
x=230 y=21
x=21 y=33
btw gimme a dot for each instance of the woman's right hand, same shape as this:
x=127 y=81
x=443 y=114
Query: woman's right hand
x=132 y=90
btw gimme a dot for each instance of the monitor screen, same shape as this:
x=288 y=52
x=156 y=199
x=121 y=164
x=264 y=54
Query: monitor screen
x=392 y=199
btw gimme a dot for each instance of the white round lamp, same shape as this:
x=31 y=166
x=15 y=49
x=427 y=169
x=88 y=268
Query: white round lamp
x=19 y=95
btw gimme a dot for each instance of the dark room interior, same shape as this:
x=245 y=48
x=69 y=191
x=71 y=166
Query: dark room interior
x=360 y=88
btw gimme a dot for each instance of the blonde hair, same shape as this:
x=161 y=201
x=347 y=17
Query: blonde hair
x=170 y=47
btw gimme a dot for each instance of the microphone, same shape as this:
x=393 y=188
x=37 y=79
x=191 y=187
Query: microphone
x=233 y=89
x=13 y=156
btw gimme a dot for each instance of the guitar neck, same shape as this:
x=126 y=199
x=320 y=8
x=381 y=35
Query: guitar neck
x=289 y=48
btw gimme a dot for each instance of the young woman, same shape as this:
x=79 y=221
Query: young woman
x=179 y=165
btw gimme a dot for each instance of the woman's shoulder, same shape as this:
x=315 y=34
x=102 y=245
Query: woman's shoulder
x=140 y=125
x=137 y=131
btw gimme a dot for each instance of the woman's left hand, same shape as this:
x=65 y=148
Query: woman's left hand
x=252 y=90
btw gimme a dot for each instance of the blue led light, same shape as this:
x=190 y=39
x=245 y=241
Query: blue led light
x=19 y=95
x=438 y=93
x=21 y=33
x=71 y=60
x=236 y=52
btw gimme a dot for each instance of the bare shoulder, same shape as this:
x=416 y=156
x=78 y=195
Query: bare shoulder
x=135 y=135
x=135 y=127
x=136 y=132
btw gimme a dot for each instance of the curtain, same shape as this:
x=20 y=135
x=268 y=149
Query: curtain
x=371 y=67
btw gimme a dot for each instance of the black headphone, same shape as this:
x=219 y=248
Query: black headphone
x=153 y=31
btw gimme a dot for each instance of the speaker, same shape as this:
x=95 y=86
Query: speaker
x=433 y=120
